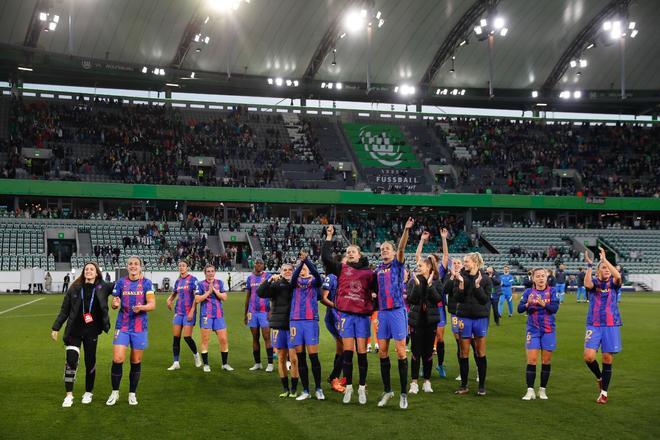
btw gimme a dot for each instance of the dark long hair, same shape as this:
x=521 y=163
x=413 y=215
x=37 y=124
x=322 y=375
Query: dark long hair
x=81 y=279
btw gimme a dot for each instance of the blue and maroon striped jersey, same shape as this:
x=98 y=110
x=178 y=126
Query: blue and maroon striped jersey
x=212 y=306
x=541 y=318
x=185 y=294
x=304 y=302
x=132 y=293
x=390 y=284
x=330 y=284
x=603 y=307
x=256 y=304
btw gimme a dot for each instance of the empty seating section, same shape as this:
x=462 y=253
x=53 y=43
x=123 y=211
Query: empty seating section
x=23 y=246
x=638 y=251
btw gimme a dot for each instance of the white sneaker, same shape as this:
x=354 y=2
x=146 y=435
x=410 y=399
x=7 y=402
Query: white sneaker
x=348 y=393
x=368 y=348
x=304 y=396
x=414 y=388
x=207 y=368
x=269 y=368
x=87 y=398
x=255 y=367
x=175 y=366
x=530 y=395
x=68 y=401
x=227 y=367
x=288 y=365
x=362 y=394
x=458 y=378
x=385 y=398
x=319 y=394
x=132 y=399
x=477 y=379
x=376 y=347
x=198 y=360
x=403 y=401
x=426 y=387
x=114 y=396
x=542 y=394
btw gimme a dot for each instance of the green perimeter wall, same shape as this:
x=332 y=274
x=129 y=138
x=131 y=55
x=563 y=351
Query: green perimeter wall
x=310 y=196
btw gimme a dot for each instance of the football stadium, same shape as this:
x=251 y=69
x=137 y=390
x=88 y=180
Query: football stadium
x=329 y=219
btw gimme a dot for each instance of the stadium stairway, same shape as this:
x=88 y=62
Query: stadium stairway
x=255 y=245
x=215 y=244
x=84 y=244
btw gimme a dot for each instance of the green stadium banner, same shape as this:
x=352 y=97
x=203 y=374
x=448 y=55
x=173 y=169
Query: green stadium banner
x=380 y=146
x=97 y=190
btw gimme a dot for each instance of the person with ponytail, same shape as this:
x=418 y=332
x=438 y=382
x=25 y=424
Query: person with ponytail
x=85 y=309
x=472 y=287
x=541 y=303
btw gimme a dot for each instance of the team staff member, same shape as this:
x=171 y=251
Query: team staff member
x=541 y=303
x=85 y=309
x=471 y=288
x=135 y=295
x=256 y=316
x=211 y=293
x=279 y=290
x=184 y=293
x=507 y=290
x=355 y=303
x=495 y=293
x=425 y=292
x=603 y=320
x=560 y=282
x=581 y=290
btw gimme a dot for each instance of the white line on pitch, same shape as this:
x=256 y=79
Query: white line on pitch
x=20 y=305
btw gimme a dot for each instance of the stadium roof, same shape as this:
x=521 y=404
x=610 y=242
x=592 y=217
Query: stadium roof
x=109 y=42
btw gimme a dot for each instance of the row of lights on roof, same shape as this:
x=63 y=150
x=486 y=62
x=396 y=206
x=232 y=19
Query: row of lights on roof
x=564 y=94
x=279 y=82
x=616 y=29
x=454 y=92
x=331 y=85
x=156 y=71
x=497 y=27
x=52 y=20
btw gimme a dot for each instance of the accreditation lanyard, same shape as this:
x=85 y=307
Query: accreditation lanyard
x=87 y=317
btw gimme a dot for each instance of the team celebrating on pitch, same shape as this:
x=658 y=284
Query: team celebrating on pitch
x=283 y=310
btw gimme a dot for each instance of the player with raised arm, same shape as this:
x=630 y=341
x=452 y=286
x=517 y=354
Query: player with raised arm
x=354 y=301
x=392 y=315
x=603 y=320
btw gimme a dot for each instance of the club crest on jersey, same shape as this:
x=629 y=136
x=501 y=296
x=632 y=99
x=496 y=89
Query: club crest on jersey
x=379 y=147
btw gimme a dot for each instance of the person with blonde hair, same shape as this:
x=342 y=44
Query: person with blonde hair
x=471 y=288
x=541 y=303
x=603 y=321
x=134 y=297
x=355 y=284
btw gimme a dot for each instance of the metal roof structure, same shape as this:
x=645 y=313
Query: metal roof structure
x=109 y=42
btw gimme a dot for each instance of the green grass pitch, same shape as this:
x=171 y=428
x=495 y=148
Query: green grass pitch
x=241 y=404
